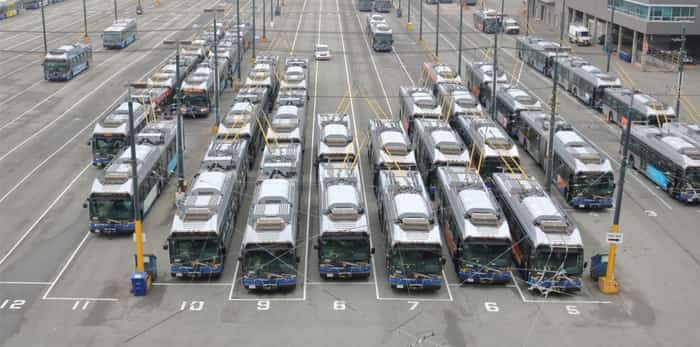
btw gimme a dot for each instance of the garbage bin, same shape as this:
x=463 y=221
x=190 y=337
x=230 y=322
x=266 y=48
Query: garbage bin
x=139 y=283
x=624 y=56
x=398 y=12
x=599 y=264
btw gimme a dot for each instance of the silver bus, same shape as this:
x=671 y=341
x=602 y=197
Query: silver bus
x=256 y=95
x=510 y=102
x=286 y=125
x=539 y=53
x=479 y=76
x=436 y=74
x=111 y=198
x=389 y=148
x=489 y=147
x=120 y=34
x=243 y=120
x=344 y=231
x=645 y=109
x=380 y=37
x=417 y=103
x=474 y=227
x=457 y=100
x=111 y=133
x=437 y=144
x=547 y=245
x=335 y=138
x=414 y=247
x=668 y=159
x=263 y=75
x=690 y=131
x=585 y=81
x=284 y=160
x=65 y=62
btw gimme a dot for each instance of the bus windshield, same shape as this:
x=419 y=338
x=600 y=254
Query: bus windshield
x=274 y=261
x=594 y=185
x=497 y=255
x=410 y=261
x=383 y=37
x=693 y=177
x=111 y=208
x=56 y=65
x=341 y=251
x=196 y=100
x=193 y=251
x=107 y=145
x=571 y=262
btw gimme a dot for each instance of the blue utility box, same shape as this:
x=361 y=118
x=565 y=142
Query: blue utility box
x=398 y=12
x=599 y=263
x=139 y=283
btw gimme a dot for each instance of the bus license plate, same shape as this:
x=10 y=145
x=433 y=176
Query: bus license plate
x=399 y=286
x=329 y=275
x=344 y=275
x=252 y=286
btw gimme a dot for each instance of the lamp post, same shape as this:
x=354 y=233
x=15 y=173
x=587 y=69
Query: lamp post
x=217 y=86
x=43 y=27
x=115 y=10
x=409 y=24
x=239 y=54
x=437 y=29
x=86 y=38
x=459 y=53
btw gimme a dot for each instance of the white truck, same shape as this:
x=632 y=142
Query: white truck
x=579 y=35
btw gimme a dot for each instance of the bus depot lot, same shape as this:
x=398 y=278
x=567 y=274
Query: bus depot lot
x=63 y=286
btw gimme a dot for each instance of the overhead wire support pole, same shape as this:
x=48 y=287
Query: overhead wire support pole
x=494 y=74
x=553 y=116
x=115 y=9
x=681 y=58
x=43 y=27
x=527 y=19
x=437 y=29
x=252 y=55
x=461 y=23
x=608 y=284
x=217 y=82
x=264 y=35
x=409 y=24
x=420 y=24
x=608 y=39
x=181 y=186
x=135 y=191
x=238 y=39
x=86 y=38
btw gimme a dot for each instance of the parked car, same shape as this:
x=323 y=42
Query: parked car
x=322 y=52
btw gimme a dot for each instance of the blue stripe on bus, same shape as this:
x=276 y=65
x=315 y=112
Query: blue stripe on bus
x=172 y=164
x=657 y=176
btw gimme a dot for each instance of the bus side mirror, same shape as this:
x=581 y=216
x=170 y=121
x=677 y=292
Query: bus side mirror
x=240 y=258
x=442 y=261
x=89 y=143
x=316 y=246
x=371 y=250
x=585 y=264
x=85 y=204
x=298 y=259
x=165 y=246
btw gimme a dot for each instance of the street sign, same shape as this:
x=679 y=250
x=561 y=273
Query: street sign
x=614 y=238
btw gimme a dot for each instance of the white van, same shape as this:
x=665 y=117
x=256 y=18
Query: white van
x=579 y=35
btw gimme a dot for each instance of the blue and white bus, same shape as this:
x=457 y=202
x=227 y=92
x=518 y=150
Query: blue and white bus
x=63 y=63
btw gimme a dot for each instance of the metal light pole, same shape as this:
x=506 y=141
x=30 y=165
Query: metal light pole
x=252 y=55
x=238 y=38
x=552 y=118
x=217 y=86
x=272 y=14
x=86 y=38
x=420 y=24
x=180 y=131
x=264 y=36
x=139 y=9
x=459 y=53
x=608 y=38
x=527 y=19
x=607 y=284
x=494 y=75
x=43 y=27
x=135 y=190
x=115 y=10
x=409 y=24
x=437 y=28
x=681 y=56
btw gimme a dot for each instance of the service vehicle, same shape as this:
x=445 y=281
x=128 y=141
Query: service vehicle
x=65 y=62
x=547 y=245
x=111 y=134
x=8 y=8
x=475 y=229
x=322 y=52
x=618 y=107
x=336 y=139
x=110 y=202
x=344 y=245
x=416 y=103
x=120 y=34
x=414 y=247
x=668 y=159
x=510 y=26
x=579 y=35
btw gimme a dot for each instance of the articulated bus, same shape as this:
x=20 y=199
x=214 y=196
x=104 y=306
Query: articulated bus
x=510 y=102
x=205 y=218
x=489 y=147
x=479 y=76
x=540 y=54
x=364 y=5
x=243 y=121
x=437 y=145
x=585 y=81
x=335 y=138
x=486 y=21
x=63 y=63
x=644 y=109
x=389 y=148
x=476 y=232
x=343 y=245
x=417 y=103
x=414 y=247
x=668 y=159
x=111 y=133
x=110 y=202
x=547 y=245
x=120 y=34
x=457 y=100
x=434 y=75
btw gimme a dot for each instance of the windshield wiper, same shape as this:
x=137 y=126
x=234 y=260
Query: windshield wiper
x=418 y=275
x=347 y=263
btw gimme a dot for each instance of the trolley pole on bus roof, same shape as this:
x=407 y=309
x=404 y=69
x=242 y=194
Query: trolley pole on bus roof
x=86 y=38
x=252 y=54
x=553 y=116
x=681 y=57
x=608 y=284
x=608 y=39
x=459 y=49
x=437 y=29
x=239 y=54
x=420 y=24
x=217 y=86
x=115 y=10
x=409 y=24
x=180 y=131
x=43 y=28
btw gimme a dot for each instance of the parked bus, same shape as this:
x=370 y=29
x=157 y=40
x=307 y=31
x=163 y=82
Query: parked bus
x=380 y=37
x=364 y=5
x=406 y=215
x=475 y=230
x=456 y=100
x=263 y=75
x=8 y=8
x=204 y=220
x=644 y=109
x=417 y=103
x=283 y=160
x=243 y=121
x=111 y=134
x=382 y=5
x=120 y=34
x=63 y=63
x=286 y=125
x=437 y=145
x=435 y=74
x=510 y=102
x=155 y=99
x=196 y=92
x=585 y=81
x=486 y=21
x=389 y=148
x=489 y=147
x=110 y=202
x=689 y=131
x=547 y=245
x=539 y=53
x=479 y=76
x=668 y=159
x=533 y=133
x=344 y=246
x=256 y=95
x=335 y=138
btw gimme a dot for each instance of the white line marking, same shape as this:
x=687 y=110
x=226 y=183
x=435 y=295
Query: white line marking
x=36 y=222
x=296 y=34
x=374 y=64
x=68 y=298
x=546 y=301
x=330 y=284
x=24 y=283
x=65 y=266
x=193 y=284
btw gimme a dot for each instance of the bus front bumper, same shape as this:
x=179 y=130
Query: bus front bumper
x=107 y=228
x=269 y=284
x=415 y=284
x=563 y=286
x=591 y=203
x=482 y=277
x=329 y=271
x=193 y=272
x=689 y=197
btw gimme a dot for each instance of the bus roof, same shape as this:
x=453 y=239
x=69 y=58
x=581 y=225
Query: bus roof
x=341 y=204
x=670 y=144
x=578 y=154
x=206 y=203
